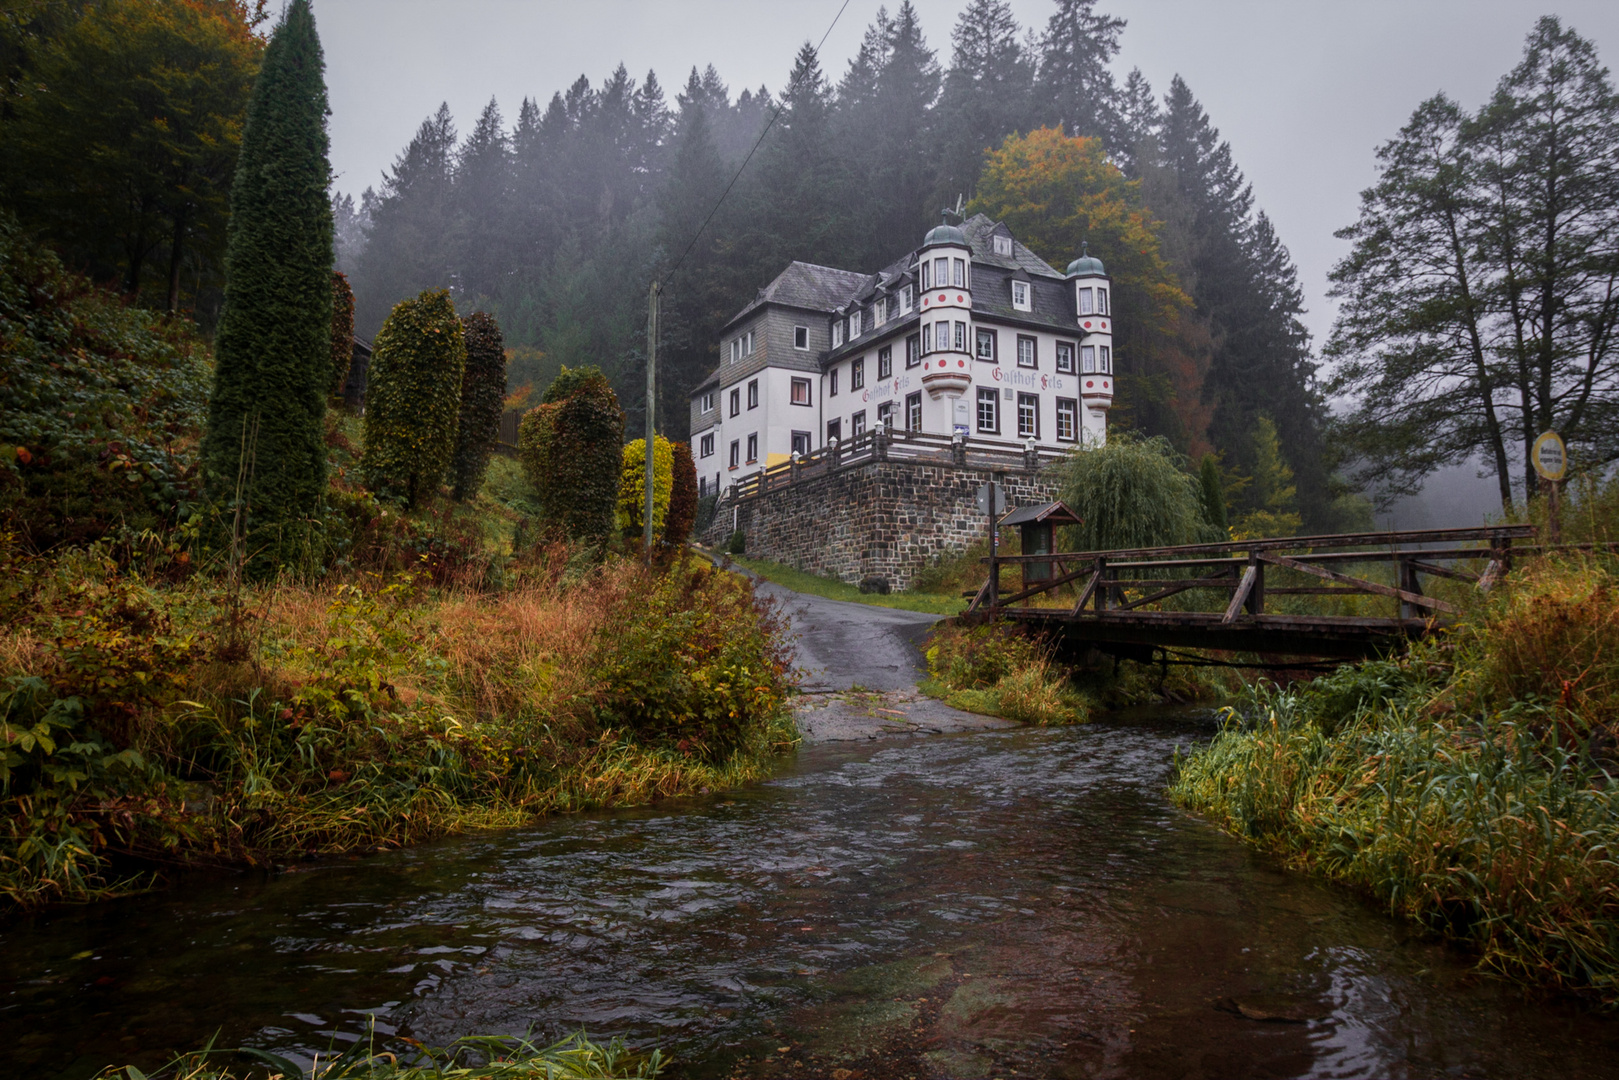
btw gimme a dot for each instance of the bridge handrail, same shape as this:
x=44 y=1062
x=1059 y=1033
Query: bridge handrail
x=1330 y=540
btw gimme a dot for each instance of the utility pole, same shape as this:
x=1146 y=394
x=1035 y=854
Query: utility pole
x=652 y=298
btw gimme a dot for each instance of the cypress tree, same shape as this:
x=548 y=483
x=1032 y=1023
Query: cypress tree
x=342 y=331
x=273 y=350
x=483 y=393
x=1208 y=479
x=677 y=524
x=413 y=397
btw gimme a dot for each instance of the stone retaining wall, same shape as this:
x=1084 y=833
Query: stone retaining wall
x=882 y=519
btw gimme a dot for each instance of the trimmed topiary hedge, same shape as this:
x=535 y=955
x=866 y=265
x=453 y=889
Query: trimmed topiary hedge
x=570 y=448
x=483 y=395
x=342 y=331
x=682 y=515
x=413 y=398
x=632 y=488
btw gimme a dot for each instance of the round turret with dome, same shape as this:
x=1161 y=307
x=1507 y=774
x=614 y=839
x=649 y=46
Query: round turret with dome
x=944 y=291
x=1093 y=310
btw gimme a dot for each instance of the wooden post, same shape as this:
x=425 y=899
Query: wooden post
x=994 y=582
x=651 y=411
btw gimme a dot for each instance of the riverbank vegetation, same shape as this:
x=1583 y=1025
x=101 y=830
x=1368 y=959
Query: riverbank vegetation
x=1467 y=785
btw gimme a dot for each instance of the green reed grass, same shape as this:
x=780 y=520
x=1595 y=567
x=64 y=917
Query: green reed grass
x=1438 y=785
x=475 y=1057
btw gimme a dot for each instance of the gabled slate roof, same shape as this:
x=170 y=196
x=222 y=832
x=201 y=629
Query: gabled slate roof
x=806 y=285
x=980 y=229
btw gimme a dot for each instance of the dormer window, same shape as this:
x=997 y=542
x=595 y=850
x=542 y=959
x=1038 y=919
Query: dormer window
x=1020 y=295
x=1003 y=245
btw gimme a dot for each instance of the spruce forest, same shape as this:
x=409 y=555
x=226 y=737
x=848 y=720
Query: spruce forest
x=558 y=220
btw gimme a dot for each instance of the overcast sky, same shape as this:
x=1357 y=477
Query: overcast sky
x=1303 y=91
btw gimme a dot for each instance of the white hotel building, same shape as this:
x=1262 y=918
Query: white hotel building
x=970 y=334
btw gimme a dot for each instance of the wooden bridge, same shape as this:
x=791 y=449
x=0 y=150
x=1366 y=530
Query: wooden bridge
x=1342 y=595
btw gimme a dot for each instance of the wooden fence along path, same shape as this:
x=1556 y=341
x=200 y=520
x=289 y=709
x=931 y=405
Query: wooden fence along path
x=1116 y=599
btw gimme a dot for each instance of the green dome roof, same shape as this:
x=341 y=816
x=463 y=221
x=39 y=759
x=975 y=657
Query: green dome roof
x=945 y=234
x=1087 y=265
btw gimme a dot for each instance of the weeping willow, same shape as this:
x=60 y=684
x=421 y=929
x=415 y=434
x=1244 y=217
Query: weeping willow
x=1131 y=493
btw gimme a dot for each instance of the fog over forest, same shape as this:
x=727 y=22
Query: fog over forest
x=555 y=213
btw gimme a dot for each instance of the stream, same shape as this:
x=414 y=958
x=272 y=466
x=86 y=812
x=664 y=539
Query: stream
x=1013 y=902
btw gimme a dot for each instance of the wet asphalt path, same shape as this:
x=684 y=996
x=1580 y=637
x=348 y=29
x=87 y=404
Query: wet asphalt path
x=858 y=667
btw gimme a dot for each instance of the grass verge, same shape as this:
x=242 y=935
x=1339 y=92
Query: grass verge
x=1467 y=785
x=832 y=589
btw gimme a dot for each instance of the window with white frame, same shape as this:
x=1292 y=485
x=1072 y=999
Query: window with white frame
x=832 y=383
x=958 y=273
x=1028 y=416
x=960 y=339
x=736 y=454
x=885 y=362
x=1106 y=361
x=753 y=393
x=857 y=374
x=1020 y=295
x=1026 y=354
x=801 y=443
x=1087 y=359
x=913 y=350
x=753 y=448
x=857 y=424
x=708 y=401
x=941 y=336
x=1087 y=301
x=986 y=344
x=1065 y=357
x=1101 y=301
x=913 y=411
x=1003 y=245
x=1067 y=419
x=801 y=337
x=706 y=446
x=736 y=402
x=801 y=392
x=989 y=409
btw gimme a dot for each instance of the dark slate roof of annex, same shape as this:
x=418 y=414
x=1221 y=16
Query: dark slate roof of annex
x=806 y=285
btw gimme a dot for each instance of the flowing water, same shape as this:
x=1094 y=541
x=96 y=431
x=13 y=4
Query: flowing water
x=1011 y=903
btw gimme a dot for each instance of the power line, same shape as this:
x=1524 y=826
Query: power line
x=773 y=116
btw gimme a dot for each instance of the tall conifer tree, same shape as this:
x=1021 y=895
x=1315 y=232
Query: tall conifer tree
x=274 y=344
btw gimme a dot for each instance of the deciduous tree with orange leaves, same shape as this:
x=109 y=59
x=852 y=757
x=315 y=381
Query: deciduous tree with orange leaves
x=1057 y=193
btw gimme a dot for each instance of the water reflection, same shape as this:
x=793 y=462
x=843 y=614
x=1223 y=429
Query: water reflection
x=951 y=906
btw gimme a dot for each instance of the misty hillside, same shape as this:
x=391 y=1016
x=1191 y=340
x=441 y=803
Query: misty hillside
x=557 y=217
